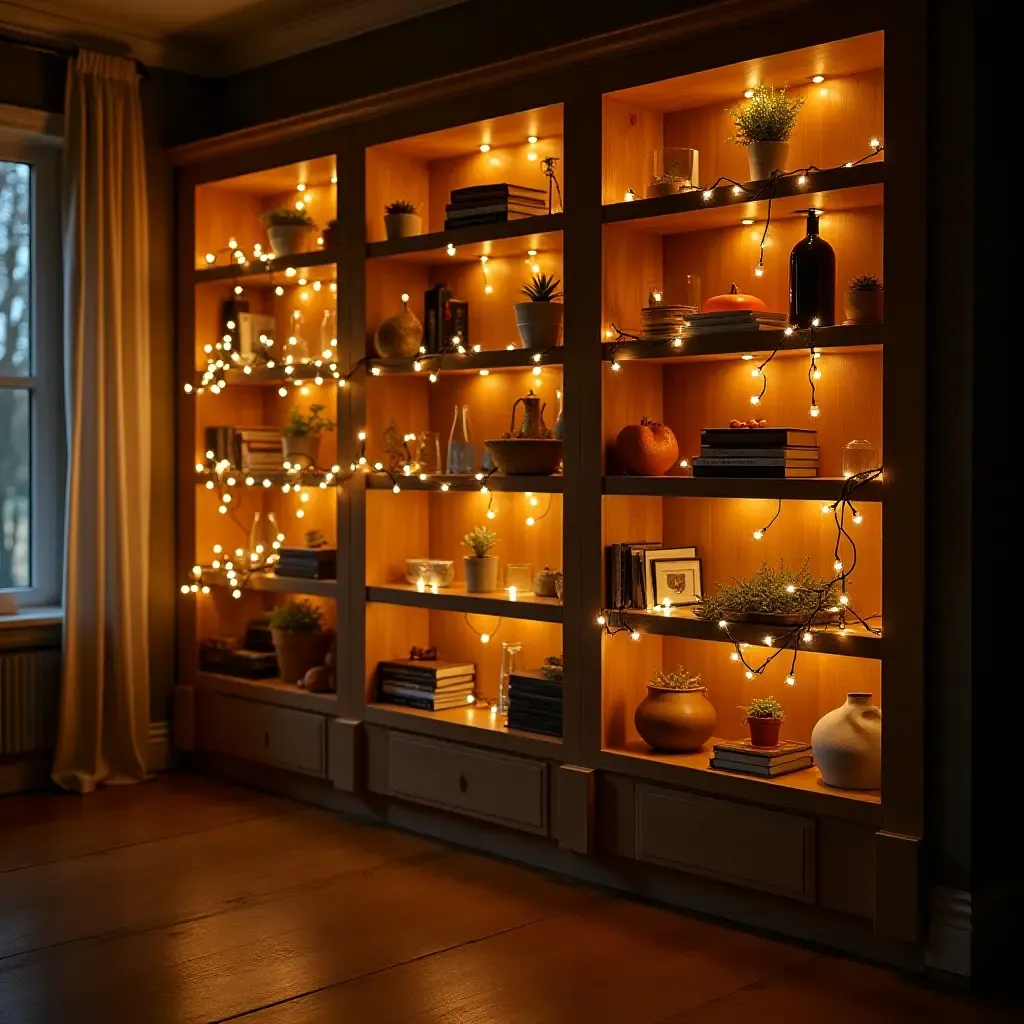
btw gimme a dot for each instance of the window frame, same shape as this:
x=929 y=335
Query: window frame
x=34 y=138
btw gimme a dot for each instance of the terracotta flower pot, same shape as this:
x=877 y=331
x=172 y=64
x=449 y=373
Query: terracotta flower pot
x=847 y=744
x=539 y=323
x=297 y=653
x=765 y=157
x=402 y=225
x=764 y=732
x=302 y=450
x=864 y=307
x=675 y=720
x=289 y=239
x=330 y=236
x=481 y=574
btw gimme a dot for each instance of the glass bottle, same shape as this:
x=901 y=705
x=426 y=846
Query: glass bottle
x=461 y=456
x=859 y=457
x=296 y=344
x=263 y=541
x=329 y=334
x=812 y=279
x=511 y=661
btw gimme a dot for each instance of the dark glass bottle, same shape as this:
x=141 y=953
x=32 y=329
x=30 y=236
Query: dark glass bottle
x=812 y=278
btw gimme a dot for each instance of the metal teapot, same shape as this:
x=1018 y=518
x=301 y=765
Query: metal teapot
x=533 y=418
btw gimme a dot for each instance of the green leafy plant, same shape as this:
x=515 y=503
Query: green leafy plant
x=400 y=206
x=768 y=117
x=286 y=217
x=677 y=679
x=866 y=283
x=296 y=617
x=480 y=540
x=302 y=426
x=763 y=707
x=769 y=591
x=542 y=288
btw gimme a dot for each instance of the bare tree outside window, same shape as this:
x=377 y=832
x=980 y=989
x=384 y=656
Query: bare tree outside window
x=15 y=362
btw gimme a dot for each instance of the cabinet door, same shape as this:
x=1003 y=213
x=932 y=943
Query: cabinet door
x=769 y=850
x=507 y=790
x=262 y=732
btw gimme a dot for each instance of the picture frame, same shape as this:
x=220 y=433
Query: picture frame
x=660 y=554
x=677 y=579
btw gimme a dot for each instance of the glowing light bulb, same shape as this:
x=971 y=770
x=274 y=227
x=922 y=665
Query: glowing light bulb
x=790 y=588
x=814 y=410
x=707 y=194
x=238 y=289
x=758 y=271
x=185 y=588
x=874 y=143
x=837 y=565
x=790 y=680
x=615 y=366
x=802 y=179
x=815 y=322
x=755 y=372
x=396 y=489
x=736 y=190
x=485 y=373
x=858 y=519
x=722 y=623
x=491 y=514
x=450 y=249
x=421 y=585
x=375 y=370
x=634 y=635
x=601 y=620
x=844 y=599
x=807 y=637
x=417 y=365
x=755 y=399
x=535 y=268
x=210 y=258
x=748 y=94
x=629 y=196
x=485 y=638
x=537 y=371
x=488 y=289
x=532 y=140
x=818 y=79
x=433 y=378
x=734 y=656
x=484 y=147
x=749 y=674
x=188 y=389
x=816 y=375
x=758 y=534
x=512 y=593
x=530 y=520
x=444 y=487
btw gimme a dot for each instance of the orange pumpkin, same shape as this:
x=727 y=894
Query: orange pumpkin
x=733 y=301
x=646 y=449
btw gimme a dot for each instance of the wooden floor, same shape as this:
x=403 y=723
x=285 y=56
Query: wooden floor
x=188 y=900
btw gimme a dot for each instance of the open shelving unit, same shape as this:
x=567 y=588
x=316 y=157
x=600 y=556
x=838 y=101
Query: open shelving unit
x=601 y=790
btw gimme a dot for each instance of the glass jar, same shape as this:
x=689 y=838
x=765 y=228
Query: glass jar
x=329 y=334
x=511 y=662
x=519 y=578
x=428 y=452
x=859 y=457
x=672 y=169
x=263 y=541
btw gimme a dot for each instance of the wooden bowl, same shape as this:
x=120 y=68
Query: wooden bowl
x=516 y=456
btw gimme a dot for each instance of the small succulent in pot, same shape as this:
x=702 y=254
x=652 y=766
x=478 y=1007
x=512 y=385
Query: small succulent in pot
x=539 y=321
x=864 y=301
x=481 y=567
x=401 y=220
x=764 y=717
x=330 y=234
x=764 y=126
x=288 y=230
x=300 y=641
x=301 y=435
x=676 y=715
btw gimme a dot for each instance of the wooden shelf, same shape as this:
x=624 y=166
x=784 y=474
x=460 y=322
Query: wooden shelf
x=272 y=377
x=495 y=361
x=683 y=622
x=819 y=488
x=455 y=599
x=511 y=238
x=469 y=724
x=258 y=274
x=842 y=337
x=270 y=583
x=838 y=188
x=801 y=791
x=269 y=691
x=467 y=483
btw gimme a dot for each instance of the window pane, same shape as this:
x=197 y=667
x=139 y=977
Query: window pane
x=15 y=267
x=15 y=487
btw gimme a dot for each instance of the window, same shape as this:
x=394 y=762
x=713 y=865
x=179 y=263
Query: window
x=31 y=422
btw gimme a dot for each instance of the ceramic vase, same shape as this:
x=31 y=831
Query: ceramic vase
x=399 y=336
x=481 y=574
x=289 y=239
x=863 y=307
x=847 y=744
x=765 y=157
x=539 y=323
x=402 y=225
x=675 y=720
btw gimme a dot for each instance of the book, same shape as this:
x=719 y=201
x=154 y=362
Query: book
x=753 y=472
x=499 y=188
x=535 y=723
x=452 y=695
x=444 y=319
x=442 y=686
x=766 y=770
x=624 y=577
x=713 y=461
x=793 y=453
x=744 y=750
x=484 y=203
x=766 y=437
x=427 y=669
x=535 y=702
x=485 y=218
x=528 y=681
x=421 y=704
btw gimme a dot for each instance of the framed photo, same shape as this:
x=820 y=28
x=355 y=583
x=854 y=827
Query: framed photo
x=677 y=580
x=652 y=597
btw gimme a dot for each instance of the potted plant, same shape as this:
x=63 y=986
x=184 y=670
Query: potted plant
x=401 y=220
x=540 y=320
x=676 y=715
x=864 y=300
x=330 y=234
x=782 y=597
x=764 y=127
x=288 y=230
x=764 y=717
x=481 y=568
x=300 y=641
x=301 y=435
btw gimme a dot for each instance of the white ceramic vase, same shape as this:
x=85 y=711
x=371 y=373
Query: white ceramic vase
x=847 y=744
x=765 y=157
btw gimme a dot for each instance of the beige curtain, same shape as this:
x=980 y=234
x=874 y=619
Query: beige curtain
x=104 y=708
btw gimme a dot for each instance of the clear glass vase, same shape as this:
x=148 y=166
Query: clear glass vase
x=859 y=457
x=263 y=542
x=511 y=661
x=461 y=454
x=329 y=334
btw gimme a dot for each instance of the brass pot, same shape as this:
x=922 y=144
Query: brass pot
x=675 y=720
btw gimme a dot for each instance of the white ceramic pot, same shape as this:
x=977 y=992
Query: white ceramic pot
x=766 y=157
x=539 y=323
x=481 y=574
x=302 y=451
x=289 y=239
x=402 y=225
x=847 y=744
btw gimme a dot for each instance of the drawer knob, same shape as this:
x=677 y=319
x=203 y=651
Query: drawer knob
x=463 y=784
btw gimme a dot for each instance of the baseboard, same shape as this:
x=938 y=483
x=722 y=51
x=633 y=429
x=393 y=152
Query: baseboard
x=949 y=933
x=159 y=753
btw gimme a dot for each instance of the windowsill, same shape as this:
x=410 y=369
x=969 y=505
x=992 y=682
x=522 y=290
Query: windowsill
x=42 y=616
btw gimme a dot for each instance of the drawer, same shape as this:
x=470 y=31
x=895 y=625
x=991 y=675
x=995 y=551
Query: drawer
x=761 y=849
x=262 y=732
x=507 y=790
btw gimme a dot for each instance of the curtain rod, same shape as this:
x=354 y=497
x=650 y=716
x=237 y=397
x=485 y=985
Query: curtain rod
x=69 y=51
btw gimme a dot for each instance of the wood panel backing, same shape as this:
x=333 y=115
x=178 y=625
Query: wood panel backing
x=631 y=134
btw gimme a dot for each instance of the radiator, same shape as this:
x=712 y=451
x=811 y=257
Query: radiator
x=29 y=688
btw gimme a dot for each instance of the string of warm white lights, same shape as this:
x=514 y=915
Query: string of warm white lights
x=485 y=638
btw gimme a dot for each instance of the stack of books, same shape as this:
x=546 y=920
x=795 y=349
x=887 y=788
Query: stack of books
x=663 y=323
x=535 y=703
x=308 y=563
x=625 y=578
x=740 y=320
x=740 y=756
x=427 y=685
x=491 y=204
x=772 y=452
x=259 y=449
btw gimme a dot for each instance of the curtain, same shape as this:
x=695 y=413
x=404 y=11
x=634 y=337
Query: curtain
x=104 y=705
